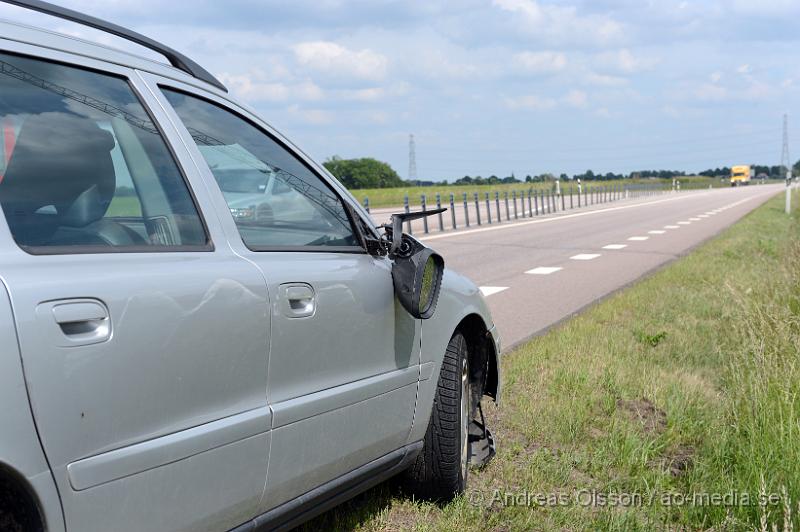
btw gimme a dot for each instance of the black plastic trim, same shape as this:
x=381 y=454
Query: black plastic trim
x=297 y=511
x=175 y=58
x=308 y=249
x=100 y=249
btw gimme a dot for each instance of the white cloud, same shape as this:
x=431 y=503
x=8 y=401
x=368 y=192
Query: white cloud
x=624 y=60
x=531 y=102
x=252 y=87
x=744 y=69
x=604 y=80
x=715 y=77
x=331 y=58
x=710 y=93
x=541 y=62
x=563 y=23
x=576 y=98
x=534 y=102
x=317 y=117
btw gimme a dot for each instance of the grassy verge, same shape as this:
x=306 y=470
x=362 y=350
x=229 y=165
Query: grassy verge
x=393 y=197
x=681 y=387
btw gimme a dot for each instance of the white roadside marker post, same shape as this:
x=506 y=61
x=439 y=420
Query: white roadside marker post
x=788 y=191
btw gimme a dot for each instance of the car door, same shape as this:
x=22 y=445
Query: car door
x=144 y=338
x=344 y=358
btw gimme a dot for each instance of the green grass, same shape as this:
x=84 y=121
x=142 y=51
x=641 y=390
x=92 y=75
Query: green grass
x=125 y=206
x=393 y=197
x=687 y=383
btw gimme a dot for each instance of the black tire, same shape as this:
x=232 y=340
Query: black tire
x=441 y=469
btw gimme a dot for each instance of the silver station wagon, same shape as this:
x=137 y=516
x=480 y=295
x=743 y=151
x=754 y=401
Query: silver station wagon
x=200 y=328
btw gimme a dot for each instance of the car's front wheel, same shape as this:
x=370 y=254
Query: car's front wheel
x=440 y=471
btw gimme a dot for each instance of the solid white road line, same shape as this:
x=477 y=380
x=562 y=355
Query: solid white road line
x=489 y=290
x=585 y=256
x=615 y=246
x=672 y=227
x=656 y=232
x=638 y=238
x=544 y=270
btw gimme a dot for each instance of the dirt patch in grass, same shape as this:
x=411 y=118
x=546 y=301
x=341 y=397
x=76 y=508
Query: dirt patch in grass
x=643 y=411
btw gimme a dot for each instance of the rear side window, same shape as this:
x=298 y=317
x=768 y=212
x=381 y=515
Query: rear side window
x=83 y=168
x=276 y=201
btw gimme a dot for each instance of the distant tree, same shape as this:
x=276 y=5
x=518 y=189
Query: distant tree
x=528 y=178
x=564 y=177
x=363 y=173
x=796 y=168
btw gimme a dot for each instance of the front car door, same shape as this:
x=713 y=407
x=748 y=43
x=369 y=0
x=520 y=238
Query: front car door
x=344 y=356
x=144 y=338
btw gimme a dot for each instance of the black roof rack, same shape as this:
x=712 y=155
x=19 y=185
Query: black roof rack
x=176 y=59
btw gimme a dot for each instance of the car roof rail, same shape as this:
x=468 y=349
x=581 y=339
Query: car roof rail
x=175 y=58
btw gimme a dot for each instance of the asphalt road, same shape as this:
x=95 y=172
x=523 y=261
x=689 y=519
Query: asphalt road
x=536 y=272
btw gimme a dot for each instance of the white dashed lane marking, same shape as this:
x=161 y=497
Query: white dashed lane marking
x=489 y=290
x=615 y=246
x=672 y=227
x=694 y=219
x=638 y=238
x=684 y=223
x=585 y=256
x=544 y=270
x=656 y=232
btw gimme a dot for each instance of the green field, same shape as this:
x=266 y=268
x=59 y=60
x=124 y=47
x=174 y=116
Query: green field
x=681 y=387
x=125 y=206
x=393 y=197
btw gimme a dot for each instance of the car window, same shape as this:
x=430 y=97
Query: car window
x=275 y=199
x=84 y=168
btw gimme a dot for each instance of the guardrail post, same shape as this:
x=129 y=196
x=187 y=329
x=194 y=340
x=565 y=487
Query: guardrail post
x=508 y=213
x=497 y=206
x=514 y=197
x=563 y=205
x=466 y=210
x=541 y=201
x=530 y=205
x=439 y=206
x=488 y=209
x=407 y=209
x=536 y=202
x=424 y=204
x=366 y=205
x=571 y=203
x=477 y=208
x=453 y=210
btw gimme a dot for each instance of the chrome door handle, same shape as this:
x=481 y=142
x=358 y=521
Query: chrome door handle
x=297 y=300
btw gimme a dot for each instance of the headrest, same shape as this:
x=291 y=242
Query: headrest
x=59 y=160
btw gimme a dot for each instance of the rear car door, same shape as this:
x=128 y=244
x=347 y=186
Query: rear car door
x=144 y=338
x=344 y=358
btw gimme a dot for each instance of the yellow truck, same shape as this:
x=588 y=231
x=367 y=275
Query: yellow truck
x=741 y=175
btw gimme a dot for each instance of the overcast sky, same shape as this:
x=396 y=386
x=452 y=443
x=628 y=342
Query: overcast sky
x=496 y=86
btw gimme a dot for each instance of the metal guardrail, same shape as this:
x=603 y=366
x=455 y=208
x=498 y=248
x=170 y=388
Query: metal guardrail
x=531 y=203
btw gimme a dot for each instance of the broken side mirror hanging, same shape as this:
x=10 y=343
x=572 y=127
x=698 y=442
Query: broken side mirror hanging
x=417 y=270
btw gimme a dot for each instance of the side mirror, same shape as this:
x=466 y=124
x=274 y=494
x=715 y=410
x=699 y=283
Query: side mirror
x=417 y=277
x=417 y=270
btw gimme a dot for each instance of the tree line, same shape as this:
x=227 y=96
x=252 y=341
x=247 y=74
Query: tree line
x=371 y=173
